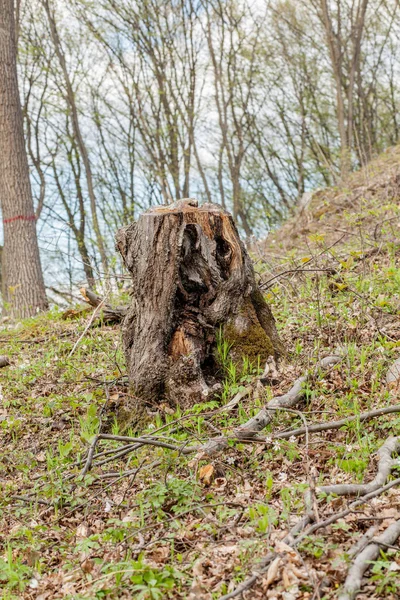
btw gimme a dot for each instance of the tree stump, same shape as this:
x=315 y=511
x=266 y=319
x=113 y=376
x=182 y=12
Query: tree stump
x=191 y=276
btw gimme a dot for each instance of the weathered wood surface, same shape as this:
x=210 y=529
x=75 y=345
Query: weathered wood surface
x=191 y=274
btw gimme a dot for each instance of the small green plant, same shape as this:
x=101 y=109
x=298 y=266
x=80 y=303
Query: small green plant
x=89 y=424
x=263 y=516
x=353 y=465
x=298 y=349
x=387 y=580
x=65 y=449
x=314 y=546
x=173 y=495
x=148 y=583
x=222 y=350
x=13 y=573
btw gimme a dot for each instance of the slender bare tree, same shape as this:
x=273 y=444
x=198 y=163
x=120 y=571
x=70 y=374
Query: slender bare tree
x=72 y=105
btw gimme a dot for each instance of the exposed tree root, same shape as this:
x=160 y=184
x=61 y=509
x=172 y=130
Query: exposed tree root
x=247 y=431
x=352 y=585
x=299 y=532
x=351 y=508
x=362 y=542
x=265 y=562
x=385 y=465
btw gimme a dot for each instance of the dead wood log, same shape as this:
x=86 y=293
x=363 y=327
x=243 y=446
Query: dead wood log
x=191 y=275
x=110 y=315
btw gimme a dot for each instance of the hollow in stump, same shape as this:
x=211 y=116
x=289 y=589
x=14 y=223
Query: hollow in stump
x=192 y=279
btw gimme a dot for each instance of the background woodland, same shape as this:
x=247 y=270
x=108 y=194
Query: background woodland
x=248 y=104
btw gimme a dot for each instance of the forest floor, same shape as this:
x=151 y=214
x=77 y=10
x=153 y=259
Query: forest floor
x=154 y=522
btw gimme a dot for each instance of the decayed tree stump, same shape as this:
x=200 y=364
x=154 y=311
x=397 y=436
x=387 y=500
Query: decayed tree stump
x=191 y=275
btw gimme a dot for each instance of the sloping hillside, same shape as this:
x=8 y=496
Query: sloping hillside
x=358 y=214
x=148 y=518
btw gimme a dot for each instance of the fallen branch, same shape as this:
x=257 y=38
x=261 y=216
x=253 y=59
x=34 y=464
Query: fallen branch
x=338 y=424
x=352 y=585
x=85 y=330
x=30 y=500
x=116 y=453
x=335 y=517
x=235 y=400
x=90 y=455
x=121 y=474
x=250 y=429
x=266 y=561
x=137 y=442
x=363 y=542
x=143 y=441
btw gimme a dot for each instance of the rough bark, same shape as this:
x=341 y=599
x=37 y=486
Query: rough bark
x=191 y=275
x=23 y=286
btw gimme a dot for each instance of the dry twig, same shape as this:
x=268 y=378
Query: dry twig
x=92 y=317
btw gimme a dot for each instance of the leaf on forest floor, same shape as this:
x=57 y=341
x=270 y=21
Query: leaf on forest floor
x=206 y=474
x=272 y=572
x=82 y=531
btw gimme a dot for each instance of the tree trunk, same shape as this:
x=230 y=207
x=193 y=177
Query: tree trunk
x=191 y=276
x=24 y=291
x=335 y=48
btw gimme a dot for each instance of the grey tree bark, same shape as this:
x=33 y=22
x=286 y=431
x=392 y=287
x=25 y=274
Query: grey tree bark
x=22 y=278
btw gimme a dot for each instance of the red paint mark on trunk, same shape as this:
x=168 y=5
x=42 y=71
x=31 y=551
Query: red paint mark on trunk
x=20 y=218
